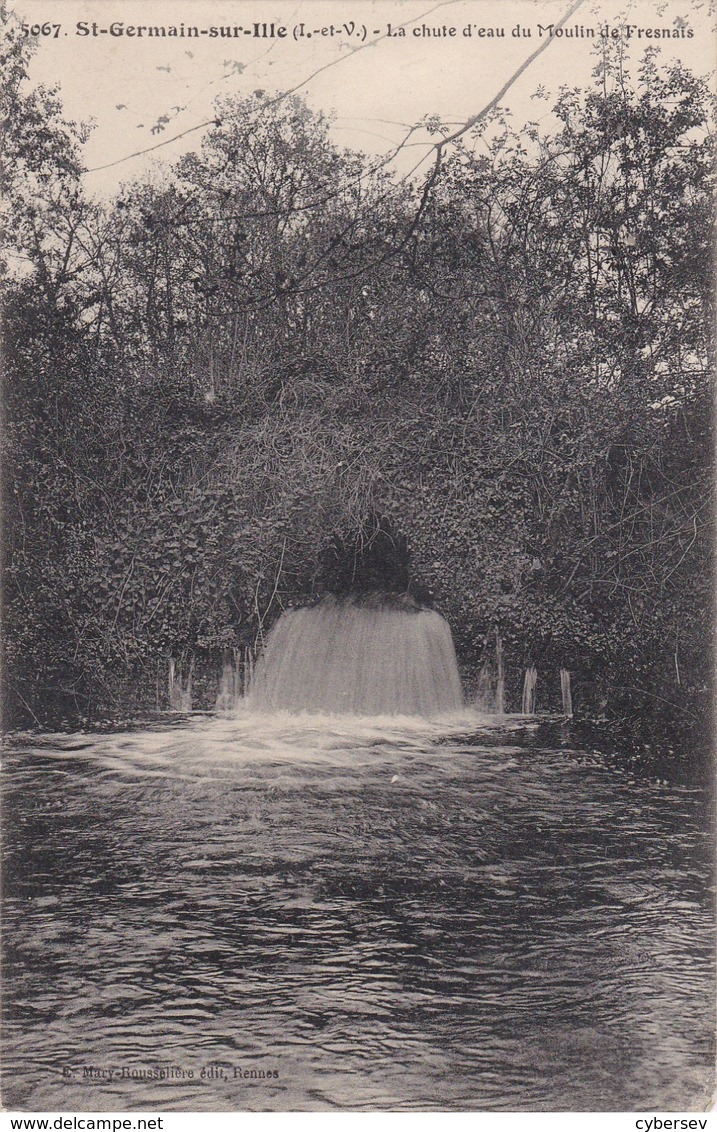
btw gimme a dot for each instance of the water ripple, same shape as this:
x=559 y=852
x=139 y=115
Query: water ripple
x=389 y=913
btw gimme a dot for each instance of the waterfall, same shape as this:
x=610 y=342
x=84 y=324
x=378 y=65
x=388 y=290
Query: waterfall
x=529 y=683
x=372 y=658
x=566 y=693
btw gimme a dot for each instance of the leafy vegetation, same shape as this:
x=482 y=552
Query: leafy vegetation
x=278 y=348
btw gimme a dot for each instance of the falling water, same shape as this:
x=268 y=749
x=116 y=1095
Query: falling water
x=531 y=679
x=180 y=693
x=566 y=693
x=342 y=657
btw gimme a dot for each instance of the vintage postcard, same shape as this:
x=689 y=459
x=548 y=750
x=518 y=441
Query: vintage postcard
x=357 y=540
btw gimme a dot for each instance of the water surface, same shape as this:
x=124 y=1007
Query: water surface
x=383 y=913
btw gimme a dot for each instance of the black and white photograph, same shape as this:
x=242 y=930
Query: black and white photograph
x=358 y=520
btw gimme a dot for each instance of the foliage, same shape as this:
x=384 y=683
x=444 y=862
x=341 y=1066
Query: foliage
x=241 y=363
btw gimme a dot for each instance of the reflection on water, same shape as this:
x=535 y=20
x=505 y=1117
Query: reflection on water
x=383 y=913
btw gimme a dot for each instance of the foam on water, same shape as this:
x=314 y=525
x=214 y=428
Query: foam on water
x=245 y=736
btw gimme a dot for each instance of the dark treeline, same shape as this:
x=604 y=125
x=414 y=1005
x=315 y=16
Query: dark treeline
x=229 y=370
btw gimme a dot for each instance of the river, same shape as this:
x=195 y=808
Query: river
x=297 y=913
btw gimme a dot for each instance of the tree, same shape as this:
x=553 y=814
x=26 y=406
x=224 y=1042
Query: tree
x=276 y=350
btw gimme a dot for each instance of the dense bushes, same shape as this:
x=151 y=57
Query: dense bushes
x=216 y=379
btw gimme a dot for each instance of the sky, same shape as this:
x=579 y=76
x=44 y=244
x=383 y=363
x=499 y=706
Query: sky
x=152 y=93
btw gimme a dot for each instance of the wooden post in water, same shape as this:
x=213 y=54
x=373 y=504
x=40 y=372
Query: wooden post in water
x=529 y=683
x=187 y=694
x=566 y=693
x=248 y=670
x=500 y=681
x=230 y=686
x=484 y=689
x=180 y=698
x=236 y=678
